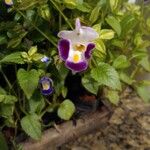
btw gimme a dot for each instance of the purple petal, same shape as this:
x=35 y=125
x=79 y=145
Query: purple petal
x=49 y=82
x=47 y=92
x=89 y=49
x=76 y=67
x=63 y=47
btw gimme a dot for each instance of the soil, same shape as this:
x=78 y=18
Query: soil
x=127 y=129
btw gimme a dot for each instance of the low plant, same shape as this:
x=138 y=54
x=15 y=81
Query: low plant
x=40 y=46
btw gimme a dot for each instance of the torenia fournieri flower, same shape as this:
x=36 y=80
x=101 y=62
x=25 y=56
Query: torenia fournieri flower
x=75 y=46
x=8 y=2
x=46 y=85
x=45 y=59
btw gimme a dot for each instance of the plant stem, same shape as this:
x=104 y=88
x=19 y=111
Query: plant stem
x=8 y=83
x=57 y=7
x=134 y=72
x=50 y=40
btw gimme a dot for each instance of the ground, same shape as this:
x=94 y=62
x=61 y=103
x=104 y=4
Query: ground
x=127 y=129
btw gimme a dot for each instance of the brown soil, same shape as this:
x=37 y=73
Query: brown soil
x=127 y=129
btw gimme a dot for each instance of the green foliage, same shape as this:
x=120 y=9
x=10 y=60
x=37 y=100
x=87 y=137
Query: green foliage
x=66 y=109
x=3 y=144
x=13 y=58
x=114 y=23
x=105 y=74
x=112 y=96
x=31 y=125
x=28 y=81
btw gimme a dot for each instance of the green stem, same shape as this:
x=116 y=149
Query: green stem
x=37 y=28
x=8 y=83
x=66 y=19
x=134 y=72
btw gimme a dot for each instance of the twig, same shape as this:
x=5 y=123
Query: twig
x=52 y=139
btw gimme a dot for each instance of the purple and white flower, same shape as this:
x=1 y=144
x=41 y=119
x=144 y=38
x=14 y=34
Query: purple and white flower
x=46 y=85
x=75 y=47
x=9 y=2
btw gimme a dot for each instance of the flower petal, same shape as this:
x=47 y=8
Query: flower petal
x=88 y=34
x=47 y=92
x=46 y=85
x=9 y=2
x=77 y=25
x=63 y=47
x=66 y=34
x=89 y=49
x=77 y=67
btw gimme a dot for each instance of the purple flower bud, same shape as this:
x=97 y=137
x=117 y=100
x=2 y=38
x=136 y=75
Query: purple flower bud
x=46 y=85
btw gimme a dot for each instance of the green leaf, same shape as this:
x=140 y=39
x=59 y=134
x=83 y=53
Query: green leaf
x=113 y=4
x=85 y=7
x=2 y=91
x=114 y=23
x=3 y=144
x=37 y=57
x=105 y=74
x=91 y=85
x=36 y=103
x=113 y=96
x=121 y=62
x=143 y=92
x=31 y=125
x=32 y=50
x=6 y=110
x=95 y=14
x=66 y=109
x=100 y=46
x=13 y=58
x=7 y=99
x=28 y=81
x=125 y=78
x=145 y=63
x=3 y=39
x=106 y=34
x=127 y=23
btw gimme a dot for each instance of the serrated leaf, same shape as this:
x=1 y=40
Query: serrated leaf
x=143 y=92
x=113 y=96
x=95 y=14
x=28 y=81
x=113 y=4
x=66 y=109
x=127 y=23
x=7 y=99
x=6 y=110
x=90 y=84
x=13 y=58
x=32 y=50
x=31 y=125
x=145 y=63
x=114 y=23
x=106 y=34
x=125 y=78
x=36 y=103
x=105 y=74
x=100 y=46
x=121 y=62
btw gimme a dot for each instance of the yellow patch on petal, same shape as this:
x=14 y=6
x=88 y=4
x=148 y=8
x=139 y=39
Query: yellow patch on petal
x=79 y=47
x=8 y=1
x=45 y=86
x=76 y=58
